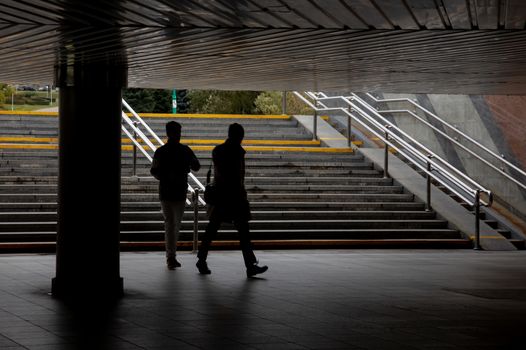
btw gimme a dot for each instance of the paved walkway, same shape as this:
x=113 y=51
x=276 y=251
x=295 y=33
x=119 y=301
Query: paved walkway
x=307 y=300
x=50 y=109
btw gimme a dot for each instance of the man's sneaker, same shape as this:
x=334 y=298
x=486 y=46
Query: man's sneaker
x=172 y=263
x=203 y=267
x=255 y=270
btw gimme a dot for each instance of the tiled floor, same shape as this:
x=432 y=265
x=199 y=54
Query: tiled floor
x=358 y=299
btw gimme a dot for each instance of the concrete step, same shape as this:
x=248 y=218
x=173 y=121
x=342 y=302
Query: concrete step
x=250 y=163
x=204 y=156
x=257 y=234
x=281 y=172
x=35 y=154
x=285 y=172
x=324 y=189
x=520 y=244
x=302 y=197
x=287 y=189
x=505 y=233
x=254 y=132
x=291 y=206
x=28 y=179
x=28 y=171
x=319 y=181
x=202 y=120
x=49 y=184
x=492 y=223
x=47 y=216
x=160 y=122
x=280 y=234
x=304 y=224
x=251 y=188
x=255 y=224
x=158 y=245
x=274 y=197
x=52 y=180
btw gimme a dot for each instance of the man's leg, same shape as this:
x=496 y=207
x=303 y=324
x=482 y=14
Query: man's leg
x=178 y=210
x=173 y=213
x=210 y=234
x=211 y=231
x=245 y=243
x=251 y=262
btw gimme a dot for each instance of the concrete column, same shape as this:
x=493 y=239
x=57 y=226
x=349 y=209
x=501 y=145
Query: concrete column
x=89 y=181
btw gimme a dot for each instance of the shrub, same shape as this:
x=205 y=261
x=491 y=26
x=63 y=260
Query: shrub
x=270 y=102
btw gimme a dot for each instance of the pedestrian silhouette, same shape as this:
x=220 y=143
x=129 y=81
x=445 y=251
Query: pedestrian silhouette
x=231 y=204
x=171 y=164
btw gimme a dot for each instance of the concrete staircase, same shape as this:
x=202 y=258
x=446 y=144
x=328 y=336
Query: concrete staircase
x=302 y=195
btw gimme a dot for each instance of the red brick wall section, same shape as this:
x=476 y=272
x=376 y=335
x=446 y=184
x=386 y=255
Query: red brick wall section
x=509 y=112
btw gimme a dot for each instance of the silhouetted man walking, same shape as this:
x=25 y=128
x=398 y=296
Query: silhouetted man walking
x=232 y=202
x=171 y=164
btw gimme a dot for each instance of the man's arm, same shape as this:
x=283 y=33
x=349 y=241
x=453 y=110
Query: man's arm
x=194 y=162
x=155 y=170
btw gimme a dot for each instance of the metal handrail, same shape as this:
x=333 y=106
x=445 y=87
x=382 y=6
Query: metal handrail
x=435 y=167
x=143 y=123
x=141 y=135
x=474 y=142
x=420 y=155
x=393 y=127
x=390 y=128
x=427 y=151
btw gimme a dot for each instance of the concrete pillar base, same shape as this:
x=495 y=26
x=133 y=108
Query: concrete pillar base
x=98 y=289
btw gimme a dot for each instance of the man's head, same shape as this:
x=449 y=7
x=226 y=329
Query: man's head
x=236 y=133
x=173 y=131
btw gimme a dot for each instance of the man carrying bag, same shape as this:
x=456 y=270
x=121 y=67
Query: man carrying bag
x=230 y=202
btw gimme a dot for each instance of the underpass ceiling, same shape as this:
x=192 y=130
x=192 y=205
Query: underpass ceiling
x=426 y=46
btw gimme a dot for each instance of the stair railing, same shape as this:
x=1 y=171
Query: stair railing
x=477 y=145
x=134 y=123
x=434 y=166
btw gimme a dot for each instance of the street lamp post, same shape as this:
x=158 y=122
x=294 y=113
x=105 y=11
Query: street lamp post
x=174 y=101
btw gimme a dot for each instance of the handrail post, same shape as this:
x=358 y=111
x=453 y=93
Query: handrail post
x=349 y=127
x=315 y=122
x=284 y=103
x=477 y=220
x=135 y=150
x=386 y=155
x=195 y=202
x=428 y=177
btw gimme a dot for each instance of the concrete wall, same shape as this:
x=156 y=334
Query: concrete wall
x=497 y=122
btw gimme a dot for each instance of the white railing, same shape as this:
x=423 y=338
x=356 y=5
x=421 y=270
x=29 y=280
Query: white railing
x=479 y=147
x=415 y=152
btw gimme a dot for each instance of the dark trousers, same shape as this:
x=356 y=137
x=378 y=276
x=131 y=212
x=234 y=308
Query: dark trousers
x=244 y=240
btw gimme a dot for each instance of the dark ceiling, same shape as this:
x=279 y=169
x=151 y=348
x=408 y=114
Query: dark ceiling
x=426 y=46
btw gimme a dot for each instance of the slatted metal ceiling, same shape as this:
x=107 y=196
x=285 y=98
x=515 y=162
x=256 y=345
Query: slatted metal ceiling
x=440 y=46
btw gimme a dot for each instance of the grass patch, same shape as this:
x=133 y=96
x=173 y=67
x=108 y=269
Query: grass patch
x=26 y=107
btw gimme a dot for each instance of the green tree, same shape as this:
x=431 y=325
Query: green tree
x=219 y=101
x=149 y=100
x=270 y=102
x=5 y=93
x=162 y=101
x=182 y=101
